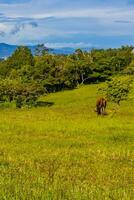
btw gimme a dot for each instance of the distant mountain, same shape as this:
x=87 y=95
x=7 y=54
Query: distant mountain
x=6 y=50
x=65 y=50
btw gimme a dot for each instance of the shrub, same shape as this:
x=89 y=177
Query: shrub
x=21 y=93
x=118 y=89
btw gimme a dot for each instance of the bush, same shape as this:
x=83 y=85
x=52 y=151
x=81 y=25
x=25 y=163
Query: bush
x=118 y=89
x=21 y=93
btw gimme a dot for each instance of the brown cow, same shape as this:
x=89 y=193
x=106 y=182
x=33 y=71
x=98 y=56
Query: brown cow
x=101 y=104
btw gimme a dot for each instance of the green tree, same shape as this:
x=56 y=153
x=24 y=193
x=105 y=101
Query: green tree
x=27 y=94
x=118 y=89
x=21 y=93
x=22 y=56
x=130 y=69
x=41 y=50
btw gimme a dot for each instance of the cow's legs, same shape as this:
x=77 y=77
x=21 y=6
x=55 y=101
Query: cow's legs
x=102 y=110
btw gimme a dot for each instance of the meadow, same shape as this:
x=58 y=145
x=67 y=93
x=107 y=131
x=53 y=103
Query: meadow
x=61 y=150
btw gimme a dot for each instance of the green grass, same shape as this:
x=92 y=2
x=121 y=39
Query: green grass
x=65 y=151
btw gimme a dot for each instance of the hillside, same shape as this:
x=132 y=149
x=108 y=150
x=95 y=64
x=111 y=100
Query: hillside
x=63 y=150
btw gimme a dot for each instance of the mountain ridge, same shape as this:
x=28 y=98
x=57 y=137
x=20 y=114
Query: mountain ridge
x=7 y=50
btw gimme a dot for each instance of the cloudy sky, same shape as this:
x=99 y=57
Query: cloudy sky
x=67 y=23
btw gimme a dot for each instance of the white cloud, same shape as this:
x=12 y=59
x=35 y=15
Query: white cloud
x=69 y=44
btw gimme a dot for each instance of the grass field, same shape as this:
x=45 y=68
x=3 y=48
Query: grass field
x=63 y=151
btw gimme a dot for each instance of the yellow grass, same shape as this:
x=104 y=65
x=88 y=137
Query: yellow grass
x=63 y=150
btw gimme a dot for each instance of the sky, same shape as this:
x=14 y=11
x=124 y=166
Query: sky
x=67 y=23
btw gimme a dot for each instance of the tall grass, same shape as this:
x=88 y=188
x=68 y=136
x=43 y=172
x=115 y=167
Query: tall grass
x=64 y=151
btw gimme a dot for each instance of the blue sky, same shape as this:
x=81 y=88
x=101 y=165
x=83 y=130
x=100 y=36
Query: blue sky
x=67 y=23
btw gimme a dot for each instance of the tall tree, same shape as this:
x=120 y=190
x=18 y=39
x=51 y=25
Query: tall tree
x=22 y=56
x=41 y=50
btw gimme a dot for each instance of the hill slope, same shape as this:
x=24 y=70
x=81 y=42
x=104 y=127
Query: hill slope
x=62 y=150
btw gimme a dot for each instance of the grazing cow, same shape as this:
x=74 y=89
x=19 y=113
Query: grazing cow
x=101 y=104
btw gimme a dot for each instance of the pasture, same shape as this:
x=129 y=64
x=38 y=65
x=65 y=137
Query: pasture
x=62 y=150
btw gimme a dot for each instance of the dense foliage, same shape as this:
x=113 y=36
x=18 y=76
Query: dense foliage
x=22 y=71
x=19 y=92
x=118 y=89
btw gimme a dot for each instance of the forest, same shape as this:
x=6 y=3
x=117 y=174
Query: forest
x=25 y=77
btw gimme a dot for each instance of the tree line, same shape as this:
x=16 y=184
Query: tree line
x=24 y=77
